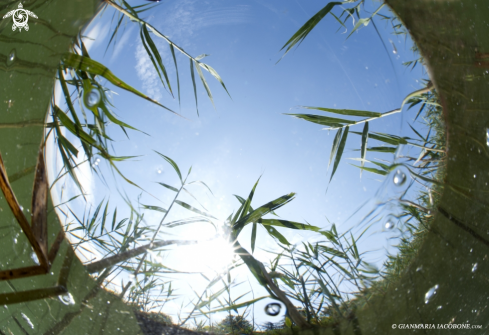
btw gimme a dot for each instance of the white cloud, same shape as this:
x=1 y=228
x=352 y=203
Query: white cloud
x=147 y=73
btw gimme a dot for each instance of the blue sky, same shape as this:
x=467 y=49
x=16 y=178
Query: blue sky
x=247 y=136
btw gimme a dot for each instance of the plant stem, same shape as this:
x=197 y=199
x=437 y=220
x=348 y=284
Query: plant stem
x=159 y=227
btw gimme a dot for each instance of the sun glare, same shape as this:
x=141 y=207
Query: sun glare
x=207 y=256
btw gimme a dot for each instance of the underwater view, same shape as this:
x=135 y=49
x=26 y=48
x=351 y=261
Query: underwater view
x=244 y=167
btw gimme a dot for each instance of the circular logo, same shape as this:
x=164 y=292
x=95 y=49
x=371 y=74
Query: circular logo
x=20 y=17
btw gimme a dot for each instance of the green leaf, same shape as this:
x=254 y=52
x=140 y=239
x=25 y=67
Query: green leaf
x=288 y=224
x=261 y=211
x=382 y=149
x=157 y=56
x=169 y=187
x=68 y=124
x=332 y=251
x=211 y=298
x=350 y=112
x=336 y=143
x=173 y=164
x=68 y=101
x=377 y=171
x=247 y=203
x=359 y=23
x=328 y=293
x=187 y=221
x=192 y=74
x=253 y=237
x=364 y=143
x=386 y=138
x=204 y=82
x=340 y=152
x=275 y=233
x=67 y=144
x=114 y=218
x=115 y=120
x=301 y=34
x=323 y=120
x=382 y=165
x=193 y=209
x=104 y=218
x=356 y=255
x=253 y=265
x=330 y=236
x=236 y=306
x=151 y=57
x=172 y=49
x=89 y=65
x=417 y=133
x=215 y=75
x=155 y=208
x=188 y=192
x=201 y=182
x=365 y=21
x=70 y=169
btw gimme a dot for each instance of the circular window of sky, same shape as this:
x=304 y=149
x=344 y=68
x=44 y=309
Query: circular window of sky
x=242 y=167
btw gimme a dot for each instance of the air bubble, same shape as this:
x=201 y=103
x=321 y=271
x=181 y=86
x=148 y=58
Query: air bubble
x=399 y=178
x=273 y=309
x=92 y=99
x=34 y=258
x=159 y=171
x=389 y=224
x=431 y=292
x=11 y=57
x=67 y=299
x=27 y=320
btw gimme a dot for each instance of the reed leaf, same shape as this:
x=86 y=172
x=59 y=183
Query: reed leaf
x=339 y=153
x=364 y=144
x=89 y=65
x=303 y=31
x=173 y=164
x=193 y=209
x=288 y=224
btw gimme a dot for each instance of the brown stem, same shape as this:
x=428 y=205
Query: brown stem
x=109 y=261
